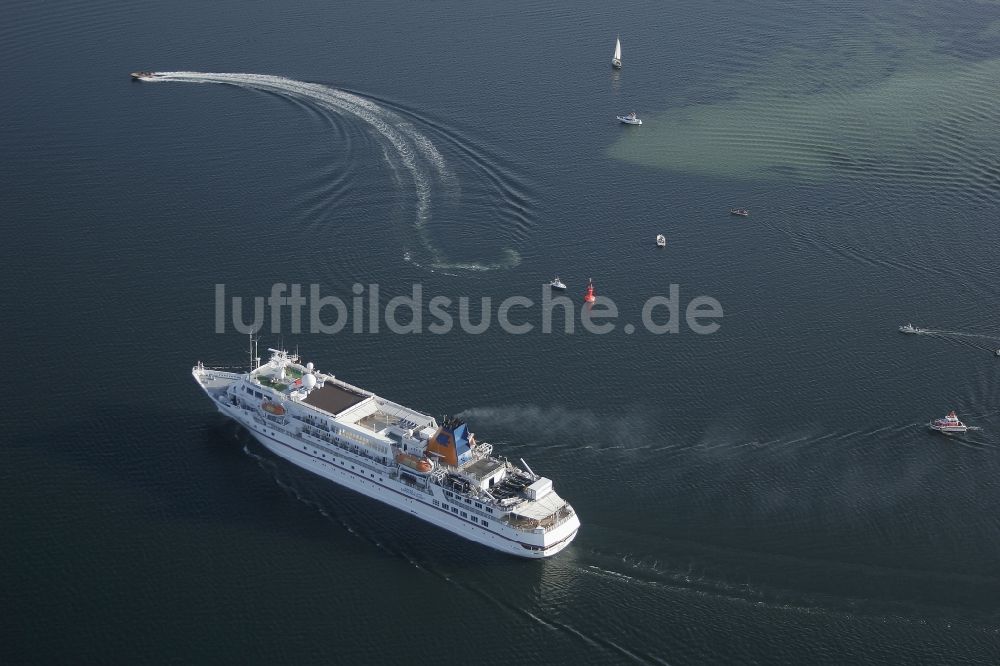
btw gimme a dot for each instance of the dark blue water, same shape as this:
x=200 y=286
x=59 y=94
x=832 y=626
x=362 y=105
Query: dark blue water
x=764 y=494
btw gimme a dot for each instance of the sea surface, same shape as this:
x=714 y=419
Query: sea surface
x=765 y=494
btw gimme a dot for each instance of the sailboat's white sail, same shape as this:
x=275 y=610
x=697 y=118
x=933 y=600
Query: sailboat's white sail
x=616 y=59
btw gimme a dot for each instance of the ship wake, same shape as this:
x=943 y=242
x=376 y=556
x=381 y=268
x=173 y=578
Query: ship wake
x=497 y=201
x=979 y=341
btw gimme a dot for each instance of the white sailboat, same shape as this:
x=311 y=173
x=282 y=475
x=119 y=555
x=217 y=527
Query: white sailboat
x=616 y=59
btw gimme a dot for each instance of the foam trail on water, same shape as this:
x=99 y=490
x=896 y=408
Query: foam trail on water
x=960 y=334
x=973 y=340
x=415 y=151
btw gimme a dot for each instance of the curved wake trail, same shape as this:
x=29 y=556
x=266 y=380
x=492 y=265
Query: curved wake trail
x=973 y=340
x=933 y=331
x=413 y=150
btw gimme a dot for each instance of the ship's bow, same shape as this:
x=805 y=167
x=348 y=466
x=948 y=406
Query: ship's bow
x=215 y=383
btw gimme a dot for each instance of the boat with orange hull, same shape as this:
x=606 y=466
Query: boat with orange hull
x=272 y=408
x=419 y=465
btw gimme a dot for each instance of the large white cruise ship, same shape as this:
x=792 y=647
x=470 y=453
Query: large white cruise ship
x=437 y=472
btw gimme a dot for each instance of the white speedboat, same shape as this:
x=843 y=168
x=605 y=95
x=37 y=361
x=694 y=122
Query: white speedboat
x=661 y=240
x=630 y=119
x=948 y=424
x=557 y=283
x=742 y=212
x=910 y=329
x=143 y=76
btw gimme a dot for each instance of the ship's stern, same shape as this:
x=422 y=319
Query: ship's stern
x=558 y=537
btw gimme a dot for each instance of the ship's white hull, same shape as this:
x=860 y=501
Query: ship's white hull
x=949 y=430
x=357 y=476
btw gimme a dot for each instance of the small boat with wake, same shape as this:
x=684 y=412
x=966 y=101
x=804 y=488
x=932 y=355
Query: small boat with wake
x=143 y=76
x=661 y=240
x=742 y=212
x=630 y=119
x=910 y=329
x=948 y=424
x=557 y=284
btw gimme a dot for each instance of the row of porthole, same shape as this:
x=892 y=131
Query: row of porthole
x=448 y=493
x=465 y=515
x=323 y=455
x=453 y=509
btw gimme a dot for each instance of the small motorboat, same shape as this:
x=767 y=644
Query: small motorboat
x=948 y=424
x=143 y=76
x=910 y=329
x=557 y=284
x=661 y=240
x=998 y=352
x=742 y=212
x=630 y=119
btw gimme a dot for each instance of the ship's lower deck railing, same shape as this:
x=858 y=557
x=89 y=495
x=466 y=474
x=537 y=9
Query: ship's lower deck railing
x=421 y=484
x=314 y=434
x=357 y=457
x=485 y=512
x=216 y=379
x=524 y=524
x=208 y=373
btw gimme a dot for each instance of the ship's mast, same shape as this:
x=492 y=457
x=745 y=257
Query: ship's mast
x=254 y=358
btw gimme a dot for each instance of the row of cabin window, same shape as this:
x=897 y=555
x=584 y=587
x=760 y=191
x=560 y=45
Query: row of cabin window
x=323 y=455
x=466 y=515
x=448 y=493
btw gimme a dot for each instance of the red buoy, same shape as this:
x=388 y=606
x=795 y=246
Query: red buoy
x=589 y=297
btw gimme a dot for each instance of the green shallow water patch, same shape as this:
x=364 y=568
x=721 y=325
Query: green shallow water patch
x=936 y=126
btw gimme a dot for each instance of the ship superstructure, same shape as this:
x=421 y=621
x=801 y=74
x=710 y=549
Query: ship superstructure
x=435 y=471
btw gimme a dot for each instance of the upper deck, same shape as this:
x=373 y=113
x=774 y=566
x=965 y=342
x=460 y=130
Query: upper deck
x=332 y=398
x=345 y=403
